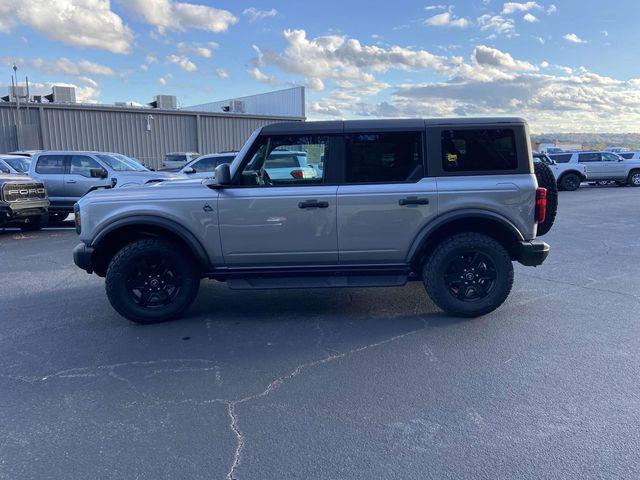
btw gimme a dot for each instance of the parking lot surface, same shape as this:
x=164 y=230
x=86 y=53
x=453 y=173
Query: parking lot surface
x=330 y=384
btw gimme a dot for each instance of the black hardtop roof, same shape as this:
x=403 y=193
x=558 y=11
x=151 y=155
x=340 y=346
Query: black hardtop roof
x=338 y=126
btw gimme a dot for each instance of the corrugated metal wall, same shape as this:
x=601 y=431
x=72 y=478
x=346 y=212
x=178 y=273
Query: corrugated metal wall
x=55 y=127
x=288 y=102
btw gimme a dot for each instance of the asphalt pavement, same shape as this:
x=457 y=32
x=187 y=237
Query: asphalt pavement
x=330 y=384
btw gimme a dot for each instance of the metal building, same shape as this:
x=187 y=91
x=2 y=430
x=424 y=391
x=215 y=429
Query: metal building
x=144 y=133
x=288 y=103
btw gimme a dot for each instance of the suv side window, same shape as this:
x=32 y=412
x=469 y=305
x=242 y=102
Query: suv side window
x=287 y=160
x=479 y=150
x=561 y=157
x=50 y=164
x=589 y=157
x=82 y=165
x=626 y=156
x=383 y=157
x=609 y=157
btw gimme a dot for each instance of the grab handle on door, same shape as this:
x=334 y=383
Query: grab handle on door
x=413 y=201
x=313 y=204
x=71 y=181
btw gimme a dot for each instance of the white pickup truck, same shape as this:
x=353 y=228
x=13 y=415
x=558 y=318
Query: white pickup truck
x=568 y=175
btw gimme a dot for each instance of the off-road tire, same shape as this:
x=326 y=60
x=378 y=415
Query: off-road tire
x=436 y=265
x=37 y=222
x=634 y=178
x=570 y=182
x=547 y=180
x=121 y=268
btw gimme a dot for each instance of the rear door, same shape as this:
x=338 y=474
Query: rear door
x=385 y=197
x=596 y=169
x=50 y=170
x=613 y=167
x=84 y=174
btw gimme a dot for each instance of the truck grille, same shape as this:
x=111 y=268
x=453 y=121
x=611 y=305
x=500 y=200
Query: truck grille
x=23 y=192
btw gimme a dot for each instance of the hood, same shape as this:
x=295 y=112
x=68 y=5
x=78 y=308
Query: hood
x=14 y=177
x=140 y=178
x=179 y=189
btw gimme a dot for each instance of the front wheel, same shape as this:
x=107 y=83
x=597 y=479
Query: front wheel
x=570 y=182
x=151 y=281
x=634 y=178
x=36 y=222
x=468 y=275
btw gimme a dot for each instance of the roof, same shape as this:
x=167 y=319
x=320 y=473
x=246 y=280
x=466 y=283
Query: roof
x=385 y=124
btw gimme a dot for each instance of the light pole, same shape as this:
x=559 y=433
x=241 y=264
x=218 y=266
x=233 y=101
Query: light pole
x=16 y=95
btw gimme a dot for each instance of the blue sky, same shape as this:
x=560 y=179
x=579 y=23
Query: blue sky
x=565 y=65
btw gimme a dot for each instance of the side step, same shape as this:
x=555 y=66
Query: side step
x=319 y=281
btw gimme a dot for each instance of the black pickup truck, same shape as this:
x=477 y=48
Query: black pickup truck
x=23 y=202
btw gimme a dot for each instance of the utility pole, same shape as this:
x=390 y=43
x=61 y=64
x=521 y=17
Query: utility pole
x=14 y=83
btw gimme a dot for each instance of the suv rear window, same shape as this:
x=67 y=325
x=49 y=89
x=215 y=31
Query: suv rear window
x=561 y=157
x=479 y=150
x=50 y=164
x=383 y=157
x=626 y=156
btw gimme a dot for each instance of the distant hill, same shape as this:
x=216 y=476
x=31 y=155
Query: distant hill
x=591 y=140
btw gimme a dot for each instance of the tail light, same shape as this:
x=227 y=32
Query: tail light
x=541 y=205
x=297 y=174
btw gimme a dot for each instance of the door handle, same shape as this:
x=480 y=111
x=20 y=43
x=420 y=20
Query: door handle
x=71 y=181
x=413 y=201
x=313 y=204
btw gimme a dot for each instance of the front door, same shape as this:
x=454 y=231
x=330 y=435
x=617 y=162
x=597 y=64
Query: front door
x=385 y=199
x=84 y=173
x=268 y=221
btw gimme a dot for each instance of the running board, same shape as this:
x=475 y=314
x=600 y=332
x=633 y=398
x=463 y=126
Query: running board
x=319 y=281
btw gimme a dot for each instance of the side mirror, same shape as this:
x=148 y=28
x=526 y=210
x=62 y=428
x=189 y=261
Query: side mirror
x=98 y=173
x=189 y=170
x=223 y=174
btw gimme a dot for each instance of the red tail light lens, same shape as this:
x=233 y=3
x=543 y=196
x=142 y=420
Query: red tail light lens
x=541 y=205
x=297 y=174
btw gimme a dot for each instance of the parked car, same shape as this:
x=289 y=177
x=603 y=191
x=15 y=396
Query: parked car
x=617 y=149
x=14 y=164
x=69 y=175
x=177 y=160
x=603 y=166
x=23 y=202
x=569 y=176
x=383 y=213
x=204 y=166
x=25 y=153
x=631 y=155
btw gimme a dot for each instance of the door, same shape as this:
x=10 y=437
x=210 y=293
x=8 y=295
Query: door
x=50 y=170
x=84 y=173
x=613 y=167
x=268 y=221
x=385 y=198
x=596 y=167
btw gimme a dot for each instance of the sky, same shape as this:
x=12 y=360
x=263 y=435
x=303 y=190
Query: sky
x=564 y=65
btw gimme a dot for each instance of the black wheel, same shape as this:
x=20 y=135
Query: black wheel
x=37 y=222
x=570 y=182
x=57 y=217
x=468 y=275
x=634 y=178
x=151 y=281
x=547 y=180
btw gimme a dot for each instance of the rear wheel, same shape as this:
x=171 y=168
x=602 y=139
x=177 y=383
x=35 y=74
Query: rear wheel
x=545 y=178
x=468 y=275
x=634 y=178
x=151 y=281
x=570 y=182
x=37 y=222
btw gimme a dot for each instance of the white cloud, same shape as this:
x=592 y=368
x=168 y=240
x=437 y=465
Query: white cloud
x=68 y=67
x=497 y=24
x=222 y=73
x=429 y=8
x=255 y=14
x=528 y=17
x=201 y=50
x=181 y=16
x=81 y=23
x=183 y=62
x=552 y=9
x=261 y=77
x=573 y=38
x=492 y=57
x=162 y=81
x=604 y=33
x=447 y=19
x=514 y=7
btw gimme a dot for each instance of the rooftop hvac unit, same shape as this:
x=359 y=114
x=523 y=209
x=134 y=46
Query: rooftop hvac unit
x=19 y=91
x=62 y=95
x=235 y=106
x=167 y=102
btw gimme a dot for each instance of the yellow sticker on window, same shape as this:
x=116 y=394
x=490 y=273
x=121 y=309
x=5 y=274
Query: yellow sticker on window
x=452 y=157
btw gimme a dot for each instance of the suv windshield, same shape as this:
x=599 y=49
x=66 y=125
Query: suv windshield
x=18 y=164
x=116 y=164
x=137 y=166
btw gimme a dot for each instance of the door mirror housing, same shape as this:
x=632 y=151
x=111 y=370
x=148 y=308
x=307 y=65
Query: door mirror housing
x=223 y=174
x=189 y=170
x=98 y=173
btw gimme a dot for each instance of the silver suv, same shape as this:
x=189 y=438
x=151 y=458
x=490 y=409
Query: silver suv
x=451 y=203
x=604 y=166
x=68 y=175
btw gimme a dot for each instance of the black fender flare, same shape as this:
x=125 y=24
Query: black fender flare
x=466 y=213
x=149 y=220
